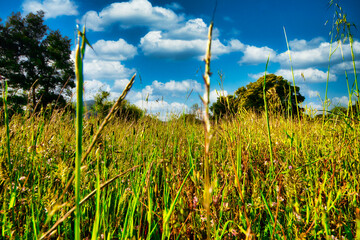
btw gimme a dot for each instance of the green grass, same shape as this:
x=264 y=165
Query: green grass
x=314 y=191
x=261 y=176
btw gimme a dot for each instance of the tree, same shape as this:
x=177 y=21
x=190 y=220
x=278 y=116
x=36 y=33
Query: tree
x=126 y=110
x=224 y=106
x=280 y=96
x=35 y=61
x=279 y=93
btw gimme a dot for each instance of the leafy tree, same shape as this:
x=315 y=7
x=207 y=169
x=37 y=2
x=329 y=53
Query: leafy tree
x=35 y=61
x=224 y=106
x=279 y=93
x=101 y=106
x=126 y=110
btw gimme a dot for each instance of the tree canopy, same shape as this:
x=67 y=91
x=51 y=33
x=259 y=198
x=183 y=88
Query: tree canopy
x=280 y=96
x=35 y=61
x=102 y=106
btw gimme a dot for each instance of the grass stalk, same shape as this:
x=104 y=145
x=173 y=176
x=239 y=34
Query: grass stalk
x=100 y=129
x=79 y=56
x=103 y=185
x=6 y=118
x=206 y=101
x=267 y=120
x=293 y=77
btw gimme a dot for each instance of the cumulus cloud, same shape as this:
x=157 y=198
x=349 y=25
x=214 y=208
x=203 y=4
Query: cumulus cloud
x=304 y=55
x=174 y=6
x=301 y=44
x=348 y=66
x=92 y=87
x=214 y=94
x=132 y=13
x=111 y=50
x=311 y=75
x=120 y=84
x=161 y=106
x=164 y=110
x=155 y=45
x=176 y=86
x=315 y=53
x=256 y=55
x=312 y=93
x=314 y=106
x=256 y=76
x=341 y=101
x=52 y=8
x=193 y=29
x=100 y=69
x=308 y=75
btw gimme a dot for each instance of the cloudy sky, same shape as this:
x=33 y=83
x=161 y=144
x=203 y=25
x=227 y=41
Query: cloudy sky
x=164 y=42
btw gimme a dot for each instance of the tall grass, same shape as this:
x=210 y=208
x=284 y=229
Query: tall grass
x=79 y=56
x=266 y=176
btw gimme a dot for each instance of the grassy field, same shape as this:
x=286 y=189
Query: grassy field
x=250 y=177
x=311 y=190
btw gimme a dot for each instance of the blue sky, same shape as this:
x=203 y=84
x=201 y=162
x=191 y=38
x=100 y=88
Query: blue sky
x=164 y=42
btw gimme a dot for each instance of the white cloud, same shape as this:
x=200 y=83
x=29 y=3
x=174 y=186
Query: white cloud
x=100 y=69
x=310 y=75
x=306 y=91
x=256 y=76
x=162 y=109
x=214 y=94
x=304 y=55
x=315 y=53
x=93 y=87
x=52 y=8
x=256 y=55
x=120 y=84
x=132 y=13
x=174 y=6
x=163 y=106
x=301 y=44
x=111 y=50
x=159 y=91
x=155 y=45
x=175 y=86
x=348 y=66
x=312 y=93
x=305 y=58
x=314 y=106
x=193 y=29
x=341 y=101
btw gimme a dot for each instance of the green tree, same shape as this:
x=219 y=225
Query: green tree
x=224 y=106
x=126 y=110
x=101 y=106
x=35 y=61
x=279 y=93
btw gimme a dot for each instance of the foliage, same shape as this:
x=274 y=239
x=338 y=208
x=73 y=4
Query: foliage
x=126 y=110
x=314 y=190
x=35 y=61
x=224 y=106
x=279 y=94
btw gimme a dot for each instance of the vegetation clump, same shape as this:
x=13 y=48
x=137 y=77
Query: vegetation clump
x=279 y=94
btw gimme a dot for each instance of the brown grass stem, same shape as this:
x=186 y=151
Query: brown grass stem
x=206 y=101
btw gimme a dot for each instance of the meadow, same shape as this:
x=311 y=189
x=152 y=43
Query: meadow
x=310 y=191
x=253 y=176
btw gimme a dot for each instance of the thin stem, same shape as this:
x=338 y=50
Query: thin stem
x=79 y=112
x=206 y=101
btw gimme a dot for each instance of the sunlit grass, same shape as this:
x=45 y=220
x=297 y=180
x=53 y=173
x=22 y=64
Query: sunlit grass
x=262 y=176
x=314 y=191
